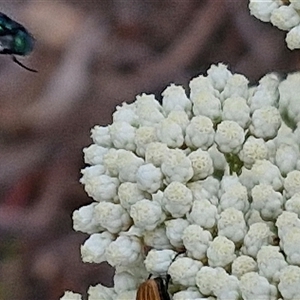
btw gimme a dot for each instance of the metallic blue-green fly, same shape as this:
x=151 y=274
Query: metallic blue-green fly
x=15 y=39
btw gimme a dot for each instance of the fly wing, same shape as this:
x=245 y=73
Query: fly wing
x=14 y=37
x=9 y=26
x=6 y=43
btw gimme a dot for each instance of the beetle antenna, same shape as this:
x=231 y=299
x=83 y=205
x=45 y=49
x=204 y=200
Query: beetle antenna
x=21 y=65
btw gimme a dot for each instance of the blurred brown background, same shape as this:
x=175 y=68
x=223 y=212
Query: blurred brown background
x=91 y=56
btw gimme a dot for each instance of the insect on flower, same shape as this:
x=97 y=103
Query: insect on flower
x=155 y=288
x=15 y=39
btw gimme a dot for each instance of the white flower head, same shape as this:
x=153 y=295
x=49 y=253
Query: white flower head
x=289 y=284
x=220 y=252
x=68 y=295
x=287 y=157
x=254 y=286
x=157 y=238
x=265 y=122
x=232 y=225
x=126 y=295
x=215 y=173
x=129 y=194
x=102 y=188
x=266 y=93
x=229 y=137
x=282 y=14
x=253 y=149
x=175 y=99
x=144 y=135
x=253 y=216
x=175 y=229
x=170 y=133
x=110 y=162
x=157 y=262
x=101 y=136
x=93 y=249
x=259 y=235
x=203 y=213
x=285 y=17
x=84 y=219
x=289 y=91
x=93 y=154
x=206 y=104
x=270 y=263
x=202 y=164
x=147 y=214
x=219 y=75
x=124 y=251
x=236 y=109
x=122 y=135
x=196 y=241
x=285 y=222
x=295 y=4
x=189 y=293
x=205 y=279
x=200 y=133
x=126 y=113
x=148 y=110
x=101 y=292
x=293 y=38
x=112 y=217
x=226 y=286
x=243 y=264
x=183 y=271
x=89 y=173
x=149 y=178
x=235 y=196
x=176 y=166
x=262 y=172
x=262 y=10
x=155 y=153
x=267 y=201
x=125 y=281
x=128 y=164
x=205 y=189
x=137 y=270
x=180 y=117
x=292 y=183
x=293 y=204
x=202 y=84
x=218 y=158
x=177 y=199
x=228 y=182
x=147 y=100
x=236 y=85
x=289 y=244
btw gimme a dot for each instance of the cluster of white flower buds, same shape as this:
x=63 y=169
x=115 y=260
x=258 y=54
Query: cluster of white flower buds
x=284 y=14
x=214 y=175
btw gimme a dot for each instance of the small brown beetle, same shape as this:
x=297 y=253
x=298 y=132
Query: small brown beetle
x=154 y=289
